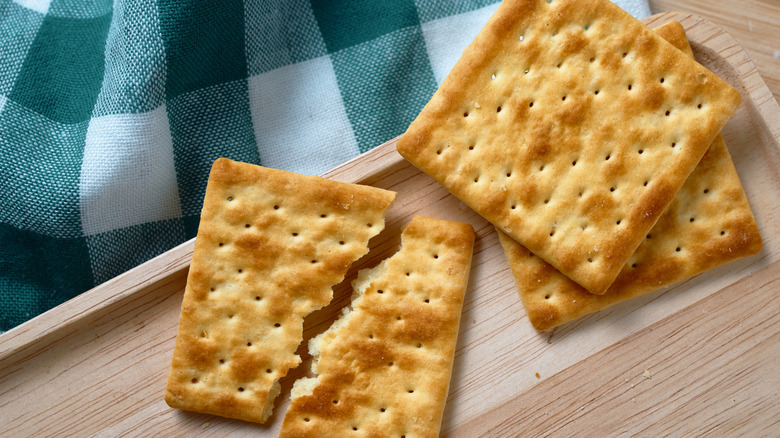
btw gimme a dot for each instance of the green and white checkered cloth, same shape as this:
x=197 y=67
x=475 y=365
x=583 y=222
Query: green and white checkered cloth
x=111 y=113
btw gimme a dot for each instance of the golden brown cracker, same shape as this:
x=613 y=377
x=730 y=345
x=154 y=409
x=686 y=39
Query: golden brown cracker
x=570 y=126
x=270 y=246
x=708 y=223
x=384 y=367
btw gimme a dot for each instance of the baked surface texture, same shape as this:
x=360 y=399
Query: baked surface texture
x=709 y=223
x=384 y=367
x=270 y=246
x=570 y=126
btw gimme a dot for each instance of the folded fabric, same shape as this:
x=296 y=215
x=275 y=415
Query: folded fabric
x=111 y=113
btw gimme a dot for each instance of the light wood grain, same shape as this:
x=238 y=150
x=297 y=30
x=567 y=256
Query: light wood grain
x=97 y=364
x=755 y=24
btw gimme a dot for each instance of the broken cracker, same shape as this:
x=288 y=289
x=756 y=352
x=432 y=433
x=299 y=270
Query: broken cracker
x=270 y=246
x=709 y=223
x=384 y=366
x=588 y=125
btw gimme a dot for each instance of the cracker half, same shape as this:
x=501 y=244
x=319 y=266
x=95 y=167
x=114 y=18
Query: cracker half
x=384 y=367
x=270 y=246
x=571 y=126
x=709 y=223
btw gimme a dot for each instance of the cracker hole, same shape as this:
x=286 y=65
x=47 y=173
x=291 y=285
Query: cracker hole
x=668 y=112
x=380 y=291
x=633 y=265
x=246 y=226
x=641 y=151
x=607 y=157
x=552 y=233
x=370 y=336
x=230 y=316
x=678 y=249
x=527 y=70
x=596 y=92
x=674 y=144
x=369 y=225
x=531 y=105
x=408 y=273
x=546 y=201
x=547 y=297
x=619 y=221
x=230 y=198
x=335 y=402
x=276 y=207
x=294 y=234
x=508 y=174
x=436 y=256
x=649 y=236
x=498 y=110
x=222 y=361
x=419 y=345
x=692 y=219
x=382 y=410
x=306 y=419
x=645 y=184
x=722 y=233
x=314 y=261
x=194 y=380
x=584 y=227
x=277 y=325
x=590 y=260
x=629 y=87
x=587 y=27
x=522 y=37
x=563 y=98
x=268 y=371
x=662 y=80
x=706 y=190
x=248 y=344
x=341 y=242
x=611 y=189
x=438 y=152
x=411 y=391
x=625 y=54
x=240 y=271
x=398 y=317
x=221 y=244
x=212 y=289
x=354 y=428
x=493 y=76
x=465 y=114
x=240 y=389
x=559 y=65
x=574 y=163
x=476 y=179
x=426 y=300
x=541 y=168
x=514 y=207
x=698 y=106
x=323 y=215
x=593 y=60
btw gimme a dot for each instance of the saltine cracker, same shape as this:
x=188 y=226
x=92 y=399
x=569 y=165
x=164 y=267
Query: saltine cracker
x=270 y=246
x=570 y=126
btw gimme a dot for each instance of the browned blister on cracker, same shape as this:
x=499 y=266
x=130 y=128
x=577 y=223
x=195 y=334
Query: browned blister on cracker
x=270 y=246
x=384 y=366
x=708 y=223
x=570 y=126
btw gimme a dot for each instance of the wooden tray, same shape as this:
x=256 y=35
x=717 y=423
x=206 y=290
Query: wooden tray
x=97 y=364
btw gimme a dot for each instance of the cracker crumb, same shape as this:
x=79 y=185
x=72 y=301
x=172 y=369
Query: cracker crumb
x=205 y=425
x=647 y=374
x=537 y=375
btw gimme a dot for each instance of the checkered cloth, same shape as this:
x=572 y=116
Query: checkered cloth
x=111 y=113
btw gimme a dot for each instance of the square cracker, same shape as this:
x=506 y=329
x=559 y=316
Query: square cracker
x=270 y=246
x=384 y=367
x=709 y=223
x=570 y=126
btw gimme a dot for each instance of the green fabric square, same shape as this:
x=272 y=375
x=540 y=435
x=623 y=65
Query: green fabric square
x=38 y=272
x=39 y=172
x=347 y=23
x=205 y=125
x=63 y=70
x=117 y=251
x=384 y=83
x=204 y=43
x=18 y=26
x=271 y=42
x=191 y=224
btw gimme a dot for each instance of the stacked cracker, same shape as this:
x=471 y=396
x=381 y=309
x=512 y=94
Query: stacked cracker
x=572 y=127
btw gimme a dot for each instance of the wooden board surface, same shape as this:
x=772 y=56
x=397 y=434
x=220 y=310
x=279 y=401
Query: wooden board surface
x=755 y=24
x=97 y=364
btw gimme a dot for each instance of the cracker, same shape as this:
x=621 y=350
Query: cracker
x=709 y=223
x=270 y=246
x=570 y=126
x=384 y=367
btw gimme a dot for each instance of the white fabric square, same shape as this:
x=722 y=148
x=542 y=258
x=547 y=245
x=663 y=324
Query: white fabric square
x=41 y=6
x=128 y=175
x=445 y=46
x=300 y=121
